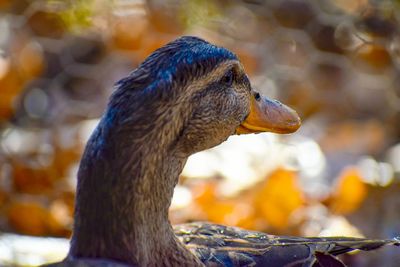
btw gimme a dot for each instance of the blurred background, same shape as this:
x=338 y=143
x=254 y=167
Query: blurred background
x=336 y=62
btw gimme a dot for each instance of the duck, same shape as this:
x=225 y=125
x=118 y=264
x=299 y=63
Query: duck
x=187 y=96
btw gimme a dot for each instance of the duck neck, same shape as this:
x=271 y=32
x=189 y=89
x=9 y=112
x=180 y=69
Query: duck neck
x=123 y=195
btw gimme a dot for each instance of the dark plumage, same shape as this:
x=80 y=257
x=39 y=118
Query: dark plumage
x=176 y=64
x=186 y=97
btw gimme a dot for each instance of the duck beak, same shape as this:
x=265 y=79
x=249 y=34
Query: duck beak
x=268 y=115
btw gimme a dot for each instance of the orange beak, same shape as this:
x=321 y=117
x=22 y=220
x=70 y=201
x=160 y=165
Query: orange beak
x=268 y=115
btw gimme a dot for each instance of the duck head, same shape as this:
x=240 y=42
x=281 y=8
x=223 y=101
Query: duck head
x=196 y=95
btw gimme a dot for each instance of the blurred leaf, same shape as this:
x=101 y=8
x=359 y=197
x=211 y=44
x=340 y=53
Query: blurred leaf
x=61 y=215
x=350 y=6
x=31 y=217
x=278 y=197
x=358 y=137
x=3 y=197
x=205 y=193
x=374 y=56
x=34 y=179
x=78 y=15
x=10 y=86
x=198 y=13
x=126 y=37
x=28 y=218
x=46 y=23
x=349 y=193
x=64 y=157
x=30 y=60
x=249 y=61
x=151 y=42
x=4 y=4
x=236 y=211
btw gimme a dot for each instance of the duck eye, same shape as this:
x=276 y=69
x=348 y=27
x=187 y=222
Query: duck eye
x=228 y=78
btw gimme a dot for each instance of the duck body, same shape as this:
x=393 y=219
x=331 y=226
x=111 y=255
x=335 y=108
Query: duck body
x=223 y=246
x=185 y=97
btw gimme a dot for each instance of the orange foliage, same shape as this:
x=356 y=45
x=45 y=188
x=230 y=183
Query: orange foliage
x=27 y=66
x=233 y=211
x=162 y=22
x=4 y=4
x=249 y=61
x=375 y=56
x=151 y=42
x=270 y=203
x=64 y=157
x=32 y=218
x=10 y=87
x=47 y=24
x=32 y=179
x=346 y=136
x=124 y=36
x=205 y=194
x=349 y=193
x=30 y=60
x=278 y=198
x=3 y=197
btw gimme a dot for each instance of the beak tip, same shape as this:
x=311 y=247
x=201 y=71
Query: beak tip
x=295 y=123
x=291 y=124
